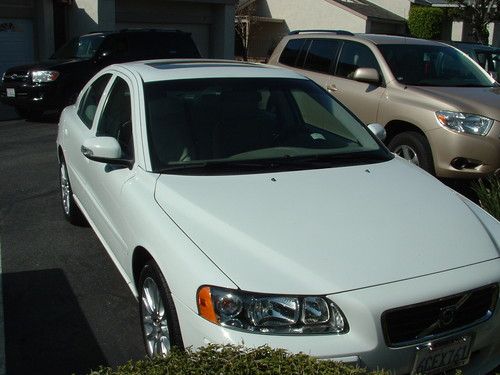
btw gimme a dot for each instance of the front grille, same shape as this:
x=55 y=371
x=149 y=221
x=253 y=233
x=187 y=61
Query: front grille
x=428 y=320
x=16 y=76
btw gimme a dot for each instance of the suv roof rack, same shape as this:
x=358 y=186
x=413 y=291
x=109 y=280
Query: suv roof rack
x=338 y=32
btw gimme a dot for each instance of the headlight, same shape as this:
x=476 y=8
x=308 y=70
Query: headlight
x=270 y=313
x=3 y=76
x=464 y=122
x=38 y=76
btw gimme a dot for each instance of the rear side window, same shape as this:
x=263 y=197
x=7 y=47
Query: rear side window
x=291 y=52
x=321 y=55
x=91 y=98
x=353 y=56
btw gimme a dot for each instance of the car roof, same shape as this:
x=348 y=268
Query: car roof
x=373 y=38
x=474 y=46
x=132 y=31
x=395 y=39
x=173 y=69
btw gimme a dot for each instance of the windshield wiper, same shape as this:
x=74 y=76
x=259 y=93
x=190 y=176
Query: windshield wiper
x=286 y=162
x=229 y=165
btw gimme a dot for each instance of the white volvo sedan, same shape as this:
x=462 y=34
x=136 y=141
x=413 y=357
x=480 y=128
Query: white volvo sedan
x=244 y=204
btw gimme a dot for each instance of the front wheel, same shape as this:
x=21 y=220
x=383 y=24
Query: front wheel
x=415 y=148
x=160 y=325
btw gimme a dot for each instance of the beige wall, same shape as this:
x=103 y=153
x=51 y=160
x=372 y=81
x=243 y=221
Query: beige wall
x=399 y=7
x=314 y=14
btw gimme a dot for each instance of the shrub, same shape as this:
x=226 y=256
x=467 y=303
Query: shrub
x=488 y=193
x=235 y=360
x=425 y=22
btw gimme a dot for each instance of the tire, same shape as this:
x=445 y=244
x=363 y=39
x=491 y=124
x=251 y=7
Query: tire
x=159 y=322
x=71 y=211
x=29 y=114
x=415 y=148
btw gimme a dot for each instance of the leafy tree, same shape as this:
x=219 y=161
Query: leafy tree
x=477 y=13
x=425 y=22
x=245 y=20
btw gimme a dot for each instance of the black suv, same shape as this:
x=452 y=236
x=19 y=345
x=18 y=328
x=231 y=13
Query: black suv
x=54 y=84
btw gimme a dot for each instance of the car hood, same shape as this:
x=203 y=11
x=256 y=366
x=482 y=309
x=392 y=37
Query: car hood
x=326 y=230
x=477 y=100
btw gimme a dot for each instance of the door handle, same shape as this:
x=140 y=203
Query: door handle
x=331 y=87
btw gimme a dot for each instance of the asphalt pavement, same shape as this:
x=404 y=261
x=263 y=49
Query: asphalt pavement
x=66 y=308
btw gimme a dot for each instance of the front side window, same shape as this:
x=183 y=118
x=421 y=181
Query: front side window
x=237 y=124
x=433 y=65
x=116 y=119
x=353 y=56
x=321 y=55
x=90 y=100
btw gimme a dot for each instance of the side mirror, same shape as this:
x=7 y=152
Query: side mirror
x=368 y=75
x=104 y=150
x=378 y=130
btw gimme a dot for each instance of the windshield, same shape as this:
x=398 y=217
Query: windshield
x=433 y=65
x=83 y=47
x=252 y=124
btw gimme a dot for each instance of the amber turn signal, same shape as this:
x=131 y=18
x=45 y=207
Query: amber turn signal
x=205 y=304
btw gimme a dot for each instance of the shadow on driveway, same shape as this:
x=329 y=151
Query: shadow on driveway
x=45 y=330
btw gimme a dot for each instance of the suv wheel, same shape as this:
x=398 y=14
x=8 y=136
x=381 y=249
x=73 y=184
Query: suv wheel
x=413 y=147
x=160 y=325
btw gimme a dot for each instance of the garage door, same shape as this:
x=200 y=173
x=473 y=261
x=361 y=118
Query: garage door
x=16 y=42
x=199 y=32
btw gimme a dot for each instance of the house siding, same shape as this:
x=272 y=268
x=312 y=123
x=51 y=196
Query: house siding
x=307 y=14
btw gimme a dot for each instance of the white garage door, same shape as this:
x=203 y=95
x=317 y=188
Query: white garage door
x=16 y=42
x=199 y=32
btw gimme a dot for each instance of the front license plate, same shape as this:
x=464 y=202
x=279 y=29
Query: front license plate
x=11 y=93
x=441 y=356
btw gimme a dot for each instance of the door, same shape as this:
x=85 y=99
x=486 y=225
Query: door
x=80 y=127
x=361 y=98
x=16 y=41
x=106 y=181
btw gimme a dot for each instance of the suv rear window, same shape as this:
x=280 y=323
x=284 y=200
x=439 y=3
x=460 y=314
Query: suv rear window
x=291 y=52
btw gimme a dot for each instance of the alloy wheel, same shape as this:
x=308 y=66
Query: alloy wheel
x=65 y=189
x=408 y=153
x=154 y=319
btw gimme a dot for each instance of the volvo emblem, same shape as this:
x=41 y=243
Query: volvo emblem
x=447 y=315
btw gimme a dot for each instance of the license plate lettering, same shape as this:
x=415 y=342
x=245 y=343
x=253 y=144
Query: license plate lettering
x=439 y=357
x=11 y=93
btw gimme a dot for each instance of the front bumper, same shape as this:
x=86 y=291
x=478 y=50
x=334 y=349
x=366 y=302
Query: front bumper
x=364 y=344
x=480 y=155
x=32 y=96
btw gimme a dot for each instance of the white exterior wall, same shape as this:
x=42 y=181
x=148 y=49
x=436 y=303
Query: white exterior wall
x=399 y=7
x=315 y=14
x=457 y=29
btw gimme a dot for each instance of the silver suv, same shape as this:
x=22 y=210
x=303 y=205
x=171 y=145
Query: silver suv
x=441 y=111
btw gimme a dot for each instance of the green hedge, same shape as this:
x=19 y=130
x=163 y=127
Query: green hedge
x=426 y=22
x=231 y=360
x=488 y=193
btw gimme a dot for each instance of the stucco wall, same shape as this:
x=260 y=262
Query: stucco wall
x=399 y=7
x=312 y=14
